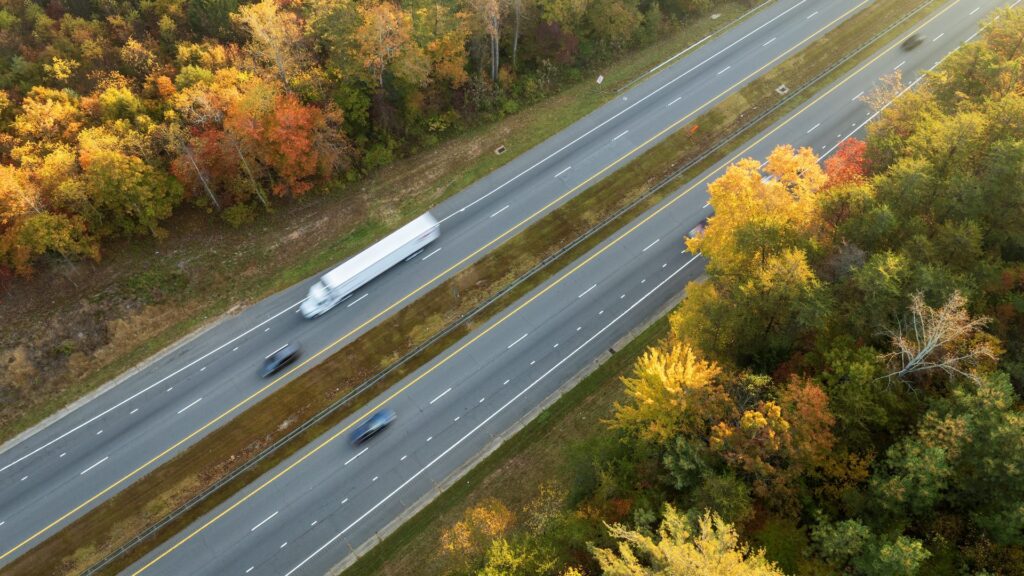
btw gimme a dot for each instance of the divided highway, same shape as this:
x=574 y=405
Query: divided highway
x=331 y=499
x=88 y=454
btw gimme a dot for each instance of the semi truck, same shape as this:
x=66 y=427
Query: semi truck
x=340 y=282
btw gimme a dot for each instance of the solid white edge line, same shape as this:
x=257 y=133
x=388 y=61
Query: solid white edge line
x=486 y=420
x=139 y=393
x=623 y=111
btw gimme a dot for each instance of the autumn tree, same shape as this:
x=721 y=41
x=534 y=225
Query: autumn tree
x=383 y=43
x=707 y=547
x=670 y=391
x=848 y=164
x=488 y=14
x=124 y=193
x=276 y=37
x=486 y=521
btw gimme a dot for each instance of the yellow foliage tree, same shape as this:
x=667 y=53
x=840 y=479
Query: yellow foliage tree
x=711 y=548
x=670 y=391
x=470 y=535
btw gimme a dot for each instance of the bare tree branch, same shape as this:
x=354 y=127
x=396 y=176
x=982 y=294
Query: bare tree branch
x=939 y=339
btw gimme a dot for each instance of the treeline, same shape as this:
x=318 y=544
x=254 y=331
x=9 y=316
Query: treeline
x=842 y=395
x=113 y=113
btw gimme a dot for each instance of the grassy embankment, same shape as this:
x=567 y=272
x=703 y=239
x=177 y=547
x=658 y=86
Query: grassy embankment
x=79 y=326
x=100 y=530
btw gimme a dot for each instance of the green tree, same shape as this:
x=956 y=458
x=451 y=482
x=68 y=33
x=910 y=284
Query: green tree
x=709 y=548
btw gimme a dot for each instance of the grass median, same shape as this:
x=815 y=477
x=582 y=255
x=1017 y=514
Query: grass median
x=91 y=537
x=539 y=455
x=78 y=326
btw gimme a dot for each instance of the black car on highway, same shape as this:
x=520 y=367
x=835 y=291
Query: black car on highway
x=280 y=358
x=912 y=41
x=372 y=425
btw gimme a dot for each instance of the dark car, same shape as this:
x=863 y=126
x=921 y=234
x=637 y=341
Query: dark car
x=698 y=229
x=372 y=426
x=280 y=358
x=912 y=41
x=696 y=232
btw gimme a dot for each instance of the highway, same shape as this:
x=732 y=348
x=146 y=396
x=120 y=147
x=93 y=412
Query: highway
x=330 y=499
x=88 y=454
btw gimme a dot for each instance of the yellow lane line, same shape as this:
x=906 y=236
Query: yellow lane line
x=669 y=203
x=397 y=303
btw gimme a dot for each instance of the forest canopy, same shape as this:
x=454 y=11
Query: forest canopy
x=114 y=113
x=842 y=393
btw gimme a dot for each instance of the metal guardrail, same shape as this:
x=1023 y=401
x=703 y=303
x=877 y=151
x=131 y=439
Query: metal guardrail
x=151 y=530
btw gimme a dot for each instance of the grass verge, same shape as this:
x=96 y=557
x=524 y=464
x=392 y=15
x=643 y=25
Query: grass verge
x=100 y=530
x=75 y=327
x=539 y=454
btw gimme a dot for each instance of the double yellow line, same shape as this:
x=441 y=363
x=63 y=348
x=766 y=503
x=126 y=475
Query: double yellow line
x=410 y=295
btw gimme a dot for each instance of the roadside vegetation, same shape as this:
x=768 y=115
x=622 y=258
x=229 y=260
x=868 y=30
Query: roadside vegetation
x=841 y=395
x=76 y=324
x=91 y=537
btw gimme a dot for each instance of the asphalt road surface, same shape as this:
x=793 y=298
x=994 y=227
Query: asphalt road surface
x=312 y=511
x=95 y=450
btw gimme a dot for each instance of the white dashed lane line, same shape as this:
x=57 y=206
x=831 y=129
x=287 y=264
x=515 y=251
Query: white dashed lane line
x=620 y=135
x=144 y=390
x=586 y=291
x=349 y=461
x=440 y=395
x=811 y=15
x=432 y=253
x=264 y=521
x=674 y=101
x=196 y=401
x=356 y=301
x=564 y=170
x=768 y=42
x=505 y=207
x=650 y=245
x=483 y=423
x=104 y=459
x=518 y=340
x=723 y=71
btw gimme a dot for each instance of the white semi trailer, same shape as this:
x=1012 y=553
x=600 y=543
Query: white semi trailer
x=335 y=285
